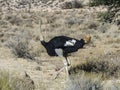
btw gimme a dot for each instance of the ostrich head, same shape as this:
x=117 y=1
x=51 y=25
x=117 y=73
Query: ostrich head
x=87 y=38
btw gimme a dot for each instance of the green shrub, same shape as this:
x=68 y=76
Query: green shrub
x=113 y=9
x=106 y=16
x=104 y=2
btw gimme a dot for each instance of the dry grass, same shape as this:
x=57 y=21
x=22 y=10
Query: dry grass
x=70 y=4
x=107 y=65
x=97 y=73
x=19 y=31
x=14 y=83
x=80 y=82
x=4 y=81
x=20 y=45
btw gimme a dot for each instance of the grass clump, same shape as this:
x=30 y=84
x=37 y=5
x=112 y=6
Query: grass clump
x=4 y=81
x=113 y=7
x=22 y=84
x=98 y=2
x=107 y=65
x=104 y=67
x=13 y=83
x=79 y=82
x=106 y=16
x=13 y=19
x=71 y=4
x=20 y=45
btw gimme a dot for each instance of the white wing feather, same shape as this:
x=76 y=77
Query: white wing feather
x=70 y=42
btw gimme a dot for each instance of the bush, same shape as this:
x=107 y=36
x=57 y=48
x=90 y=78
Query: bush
x=80 y=82
x=104 y=67
x=107 y=65
x=100 y=67
x=104 y=2
x=71 y=4
x=106 y=16
x=20 y=45
x=113 y=9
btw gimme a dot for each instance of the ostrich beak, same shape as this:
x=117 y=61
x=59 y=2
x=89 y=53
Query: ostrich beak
x=87 y=38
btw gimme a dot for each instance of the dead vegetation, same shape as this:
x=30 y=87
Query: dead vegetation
x=19 y=44
x=19 y=34
x=70 y=4
x=107 y=65
x=79 y=82
x=8 y=82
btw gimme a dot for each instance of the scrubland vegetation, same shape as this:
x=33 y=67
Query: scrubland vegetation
x=8 y=82
x=96 y=67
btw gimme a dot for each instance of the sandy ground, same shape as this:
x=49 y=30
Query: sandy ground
x=43 y=70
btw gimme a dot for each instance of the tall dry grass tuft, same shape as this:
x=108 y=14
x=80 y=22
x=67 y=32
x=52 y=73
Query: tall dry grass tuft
x=23 y=83
x=4 y=81
x=15 y=83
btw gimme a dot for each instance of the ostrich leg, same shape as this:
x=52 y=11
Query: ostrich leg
x=65 y=61
x=66 y=67
x=68 y=61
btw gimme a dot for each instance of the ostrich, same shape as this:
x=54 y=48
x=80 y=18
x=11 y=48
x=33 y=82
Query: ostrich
x=62 y=45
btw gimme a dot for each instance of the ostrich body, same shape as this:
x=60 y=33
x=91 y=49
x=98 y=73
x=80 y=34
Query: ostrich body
x=62 y=45
x=66 y=44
